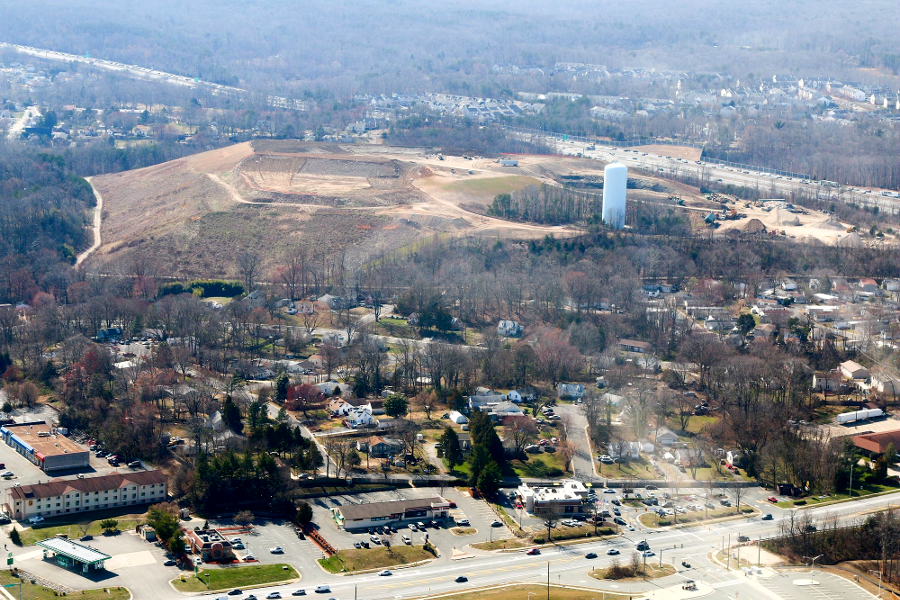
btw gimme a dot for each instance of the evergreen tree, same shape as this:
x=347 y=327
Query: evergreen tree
x=450 y=448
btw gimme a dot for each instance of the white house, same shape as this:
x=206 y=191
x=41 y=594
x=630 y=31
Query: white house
x=570 y=390
x=612 y=399
x=626 y=450
x=666 y=437
x=523 y=395
x=360 y=416
x=508 y=328
x=328 y=387
x=339 y=407
x=457 y=417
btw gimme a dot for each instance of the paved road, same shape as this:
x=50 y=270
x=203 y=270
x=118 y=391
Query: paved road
x=569 y=566
x=18 y=128
x=661 y=164
x=109 y=65
x=582 y=461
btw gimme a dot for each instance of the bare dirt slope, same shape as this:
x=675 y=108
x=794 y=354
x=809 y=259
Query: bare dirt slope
x=192 y=216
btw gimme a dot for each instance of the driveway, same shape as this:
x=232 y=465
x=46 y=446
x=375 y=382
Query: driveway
x=582 y=462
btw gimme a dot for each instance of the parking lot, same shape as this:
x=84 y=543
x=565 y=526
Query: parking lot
x=479 y=514
x=816 y=585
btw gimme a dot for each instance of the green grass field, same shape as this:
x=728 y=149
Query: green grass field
x=37 y=592
x=31 y=535
x=488 y=187
x=539 y=465
x=234 y=577
x=867 y=489
x=379 y=557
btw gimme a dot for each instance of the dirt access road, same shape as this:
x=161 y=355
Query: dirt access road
x=98 y=217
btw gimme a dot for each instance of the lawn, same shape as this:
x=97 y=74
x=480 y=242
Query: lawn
x=232 y=577
x=503 y=544
x=538 y=465
x=488 y=187
x=31 y=535
x=37 y=592
x=378 y=557
x=635 y=469
x=649 y=519
x=868 y=489
x=518 y=592
x=571 y=533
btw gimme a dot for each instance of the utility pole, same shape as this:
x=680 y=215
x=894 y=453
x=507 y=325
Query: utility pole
x=548 y=580
x=728 y=556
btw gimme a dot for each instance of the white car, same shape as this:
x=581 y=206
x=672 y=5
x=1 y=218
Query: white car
x=612 y=551
x=249 y=557
x=385 y=573
x=35 y=519
x=276 y=550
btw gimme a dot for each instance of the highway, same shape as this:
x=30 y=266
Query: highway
x=568 y=566
x=135 y=71
x=772 y=185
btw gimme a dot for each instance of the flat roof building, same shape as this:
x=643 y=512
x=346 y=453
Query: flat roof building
x=84 y=494
x=44 y=446
x=71 y=554
x=372 y=514
x=563 y=499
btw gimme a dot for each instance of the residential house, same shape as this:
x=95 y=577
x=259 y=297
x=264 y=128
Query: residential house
x=666 y=437
x=570 y=390
x=380 y=447
x=522 y=395
x=359 y=417
x=508 y=328
x=830 y=381
x=465 y=442
x=868 y=285
x=853 y=370
x=634 y=346
x=338 y=407
x=504 y=409
x=613 y=399
x=885 y=384
x=485 y=397
x=625 y=450
x=329 y=388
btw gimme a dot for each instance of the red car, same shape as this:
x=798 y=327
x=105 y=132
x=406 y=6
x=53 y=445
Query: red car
x=534 y=551
x=772 y=499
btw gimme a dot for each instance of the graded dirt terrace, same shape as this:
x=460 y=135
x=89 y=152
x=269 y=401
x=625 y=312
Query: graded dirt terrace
x=194 y=215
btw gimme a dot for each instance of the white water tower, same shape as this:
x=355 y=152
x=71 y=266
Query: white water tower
x=615 y=180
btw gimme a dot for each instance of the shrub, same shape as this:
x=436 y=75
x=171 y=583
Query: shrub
x=14 y=537
x=799 y=502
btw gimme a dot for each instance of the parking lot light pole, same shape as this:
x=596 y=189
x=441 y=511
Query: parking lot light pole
x=879 y=581
x=812 y=570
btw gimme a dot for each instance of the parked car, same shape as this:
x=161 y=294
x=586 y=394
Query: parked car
x=170 y=563
x=496 y=523
x=276 y=550
x=86 y=538
x=609 y=491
